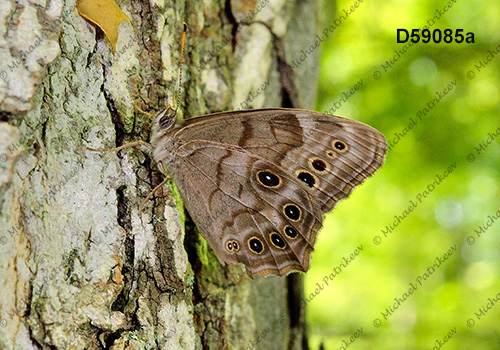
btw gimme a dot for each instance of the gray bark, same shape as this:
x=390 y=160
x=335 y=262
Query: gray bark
x=79 y=268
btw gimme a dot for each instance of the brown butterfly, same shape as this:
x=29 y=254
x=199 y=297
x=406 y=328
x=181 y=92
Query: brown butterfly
x=257 y=183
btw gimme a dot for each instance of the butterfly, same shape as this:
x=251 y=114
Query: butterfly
x=258 y=183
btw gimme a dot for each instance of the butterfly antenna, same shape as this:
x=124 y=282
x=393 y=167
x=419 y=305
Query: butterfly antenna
x=179 y=79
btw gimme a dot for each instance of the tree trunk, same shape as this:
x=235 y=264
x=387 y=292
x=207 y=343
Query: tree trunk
x=79 y=267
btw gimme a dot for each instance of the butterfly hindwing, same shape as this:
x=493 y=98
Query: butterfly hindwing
x=249 y=209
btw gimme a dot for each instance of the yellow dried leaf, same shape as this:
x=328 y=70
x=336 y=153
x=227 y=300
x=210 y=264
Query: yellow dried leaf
x=106 y=15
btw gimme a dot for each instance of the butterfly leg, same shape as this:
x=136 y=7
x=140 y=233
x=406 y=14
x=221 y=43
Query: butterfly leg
x=127 y=145
x=151 y=194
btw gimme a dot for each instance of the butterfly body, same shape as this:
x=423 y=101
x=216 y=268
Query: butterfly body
x=257 y=183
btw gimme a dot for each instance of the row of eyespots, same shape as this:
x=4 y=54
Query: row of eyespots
x=268 y=179
x=318 y=165
x=256 y=245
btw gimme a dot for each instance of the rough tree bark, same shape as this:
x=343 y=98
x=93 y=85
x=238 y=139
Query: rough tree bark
x=79 y=269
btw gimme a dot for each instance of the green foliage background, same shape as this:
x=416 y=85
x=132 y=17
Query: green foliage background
x=452 y=212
